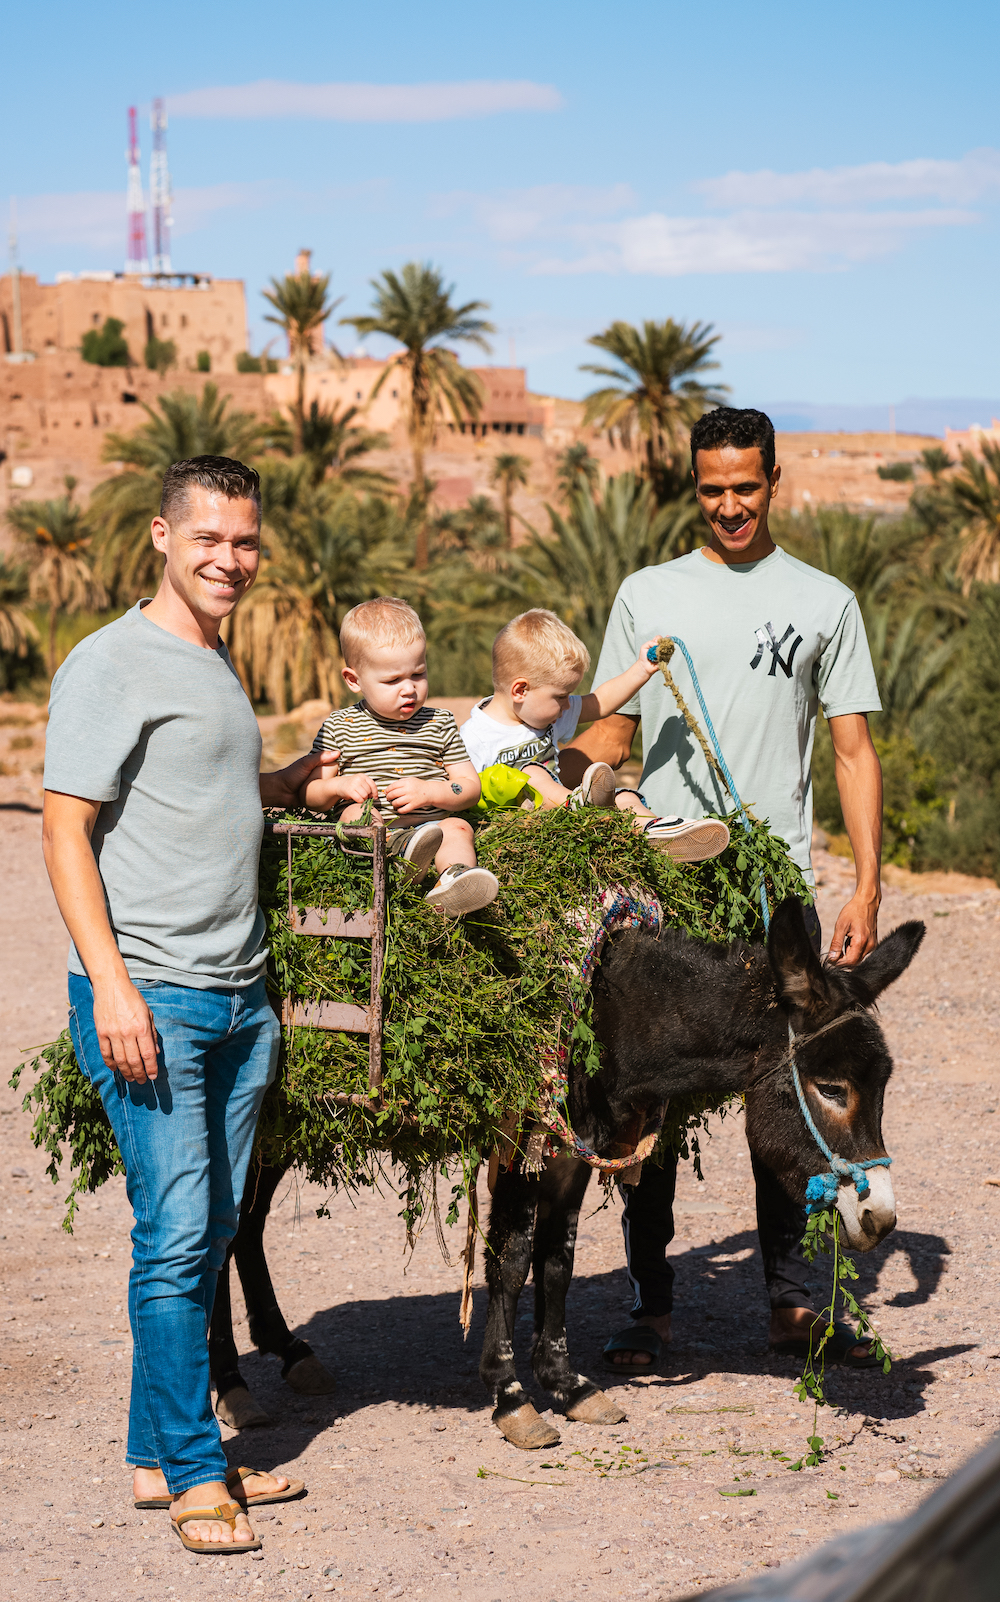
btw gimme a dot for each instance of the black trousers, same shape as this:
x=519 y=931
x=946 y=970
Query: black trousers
x=648 y=1227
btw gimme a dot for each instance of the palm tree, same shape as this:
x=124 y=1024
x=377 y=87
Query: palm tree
x=575 y=468
x=415 y=309
x=975 y=495
x=122 y=507
x=323 y=551
x=508 y=470
x=55 y=537
x=17 y=632
x=874 y=557
x=302 y=308
x=334 y=443
x=937 y=462
x=654 y=395
x=578 y=570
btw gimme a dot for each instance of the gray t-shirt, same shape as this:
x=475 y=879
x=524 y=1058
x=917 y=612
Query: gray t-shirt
x=771 y=641
x=162 y=733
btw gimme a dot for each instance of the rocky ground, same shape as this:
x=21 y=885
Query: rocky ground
x=411 y=1491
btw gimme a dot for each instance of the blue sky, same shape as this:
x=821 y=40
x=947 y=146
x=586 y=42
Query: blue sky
x=821 y=184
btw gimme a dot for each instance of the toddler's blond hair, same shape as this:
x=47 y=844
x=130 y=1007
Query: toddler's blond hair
x=385 y=621
x=539 y=647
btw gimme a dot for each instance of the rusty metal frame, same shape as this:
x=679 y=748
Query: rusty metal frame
x=335 y=923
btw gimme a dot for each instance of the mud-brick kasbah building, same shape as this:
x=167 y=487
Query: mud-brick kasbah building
x=55 y=408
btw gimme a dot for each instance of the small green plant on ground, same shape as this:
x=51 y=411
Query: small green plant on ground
x=823 y=1236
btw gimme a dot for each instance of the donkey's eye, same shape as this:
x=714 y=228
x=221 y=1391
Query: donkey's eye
x=835 y=1093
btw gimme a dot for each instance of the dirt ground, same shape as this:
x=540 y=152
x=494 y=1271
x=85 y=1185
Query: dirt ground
x=411 y=1491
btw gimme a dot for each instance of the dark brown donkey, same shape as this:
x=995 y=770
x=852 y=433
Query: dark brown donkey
x=675 y=1016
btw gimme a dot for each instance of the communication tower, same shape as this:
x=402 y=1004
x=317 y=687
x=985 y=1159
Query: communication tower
x=136 y=261
x=159 y=190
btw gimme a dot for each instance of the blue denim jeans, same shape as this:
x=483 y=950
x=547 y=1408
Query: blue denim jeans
x=185 y=1140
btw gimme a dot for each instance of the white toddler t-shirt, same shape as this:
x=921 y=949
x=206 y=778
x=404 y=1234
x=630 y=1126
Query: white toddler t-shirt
x=488 y=741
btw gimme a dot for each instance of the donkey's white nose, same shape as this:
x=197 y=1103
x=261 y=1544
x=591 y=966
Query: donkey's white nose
x=868 y=1219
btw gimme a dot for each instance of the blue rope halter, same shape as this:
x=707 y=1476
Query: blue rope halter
x=821 y=1191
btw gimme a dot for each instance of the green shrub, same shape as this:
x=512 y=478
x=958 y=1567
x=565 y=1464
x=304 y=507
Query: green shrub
x=245 y=363
x=159 y=355
x=898 y=472
x=107 y=347
x=204 y=361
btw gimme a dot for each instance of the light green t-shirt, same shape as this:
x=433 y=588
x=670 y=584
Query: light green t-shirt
x=162 y=734
x=771 y=642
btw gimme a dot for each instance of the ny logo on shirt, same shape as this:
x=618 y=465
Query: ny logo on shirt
x=767 y=642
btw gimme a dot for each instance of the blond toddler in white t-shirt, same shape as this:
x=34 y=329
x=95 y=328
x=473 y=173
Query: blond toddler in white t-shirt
x=537 y=664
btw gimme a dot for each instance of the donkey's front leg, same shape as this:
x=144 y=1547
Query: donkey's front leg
x=508 y=1258
x=563 y=1185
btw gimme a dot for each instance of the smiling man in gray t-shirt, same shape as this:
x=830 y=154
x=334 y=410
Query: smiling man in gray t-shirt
x=772 y=641
x=152 y=829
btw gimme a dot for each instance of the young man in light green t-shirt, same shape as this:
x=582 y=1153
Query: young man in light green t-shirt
x=772 y=640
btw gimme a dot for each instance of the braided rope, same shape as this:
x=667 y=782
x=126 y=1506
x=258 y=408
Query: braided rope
x=662 y=652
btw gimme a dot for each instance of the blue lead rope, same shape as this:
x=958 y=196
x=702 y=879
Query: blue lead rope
x=821 y=1191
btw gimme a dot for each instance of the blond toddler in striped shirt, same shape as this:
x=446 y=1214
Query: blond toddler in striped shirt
x=406 y=757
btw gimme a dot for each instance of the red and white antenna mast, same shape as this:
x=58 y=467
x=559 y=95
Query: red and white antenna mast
x=159 y=190
x=135 y=261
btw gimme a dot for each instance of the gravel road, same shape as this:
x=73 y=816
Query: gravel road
x=411 y=1491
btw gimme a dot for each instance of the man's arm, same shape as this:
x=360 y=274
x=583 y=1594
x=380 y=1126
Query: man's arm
x=281 y=788
x=122 y=1019
x=859 y=783
x=609 y=740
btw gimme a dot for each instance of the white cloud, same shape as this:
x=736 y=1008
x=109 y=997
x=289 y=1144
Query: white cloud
x=962 y=182
x=96 y=218
x=511 y=216
x=747 y=242
x=365 y=102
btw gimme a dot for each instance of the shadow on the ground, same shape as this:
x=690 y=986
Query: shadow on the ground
x=409 y=1349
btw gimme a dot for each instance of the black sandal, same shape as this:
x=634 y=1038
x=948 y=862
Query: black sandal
x=838 y=1349
x=637 y=1338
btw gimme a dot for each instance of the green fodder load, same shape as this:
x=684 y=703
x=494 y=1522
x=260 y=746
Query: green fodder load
x=470 y=1004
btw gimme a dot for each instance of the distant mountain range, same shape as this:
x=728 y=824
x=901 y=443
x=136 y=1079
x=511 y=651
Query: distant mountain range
x=911 y=416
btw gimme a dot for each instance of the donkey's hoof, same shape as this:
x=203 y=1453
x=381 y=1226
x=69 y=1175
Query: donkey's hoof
x=239 y=1410
x=310 y=1378
x=595 y=1408
x=526 y=1428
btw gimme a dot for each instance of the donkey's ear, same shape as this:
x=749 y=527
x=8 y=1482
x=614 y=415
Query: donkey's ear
x=798 y=972
x=889 y=959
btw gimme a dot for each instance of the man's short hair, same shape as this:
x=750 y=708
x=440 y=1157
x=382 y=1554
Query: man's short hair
x=738 y=426
x=221 y=474
x=385 y=621
x=537 y=646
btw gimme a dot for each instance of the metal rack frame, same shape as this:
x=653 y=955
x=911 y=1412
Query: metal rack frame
x=334 y=922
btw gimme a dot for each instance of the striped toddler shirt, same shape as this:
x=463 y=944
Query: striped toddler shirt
x=387 y=750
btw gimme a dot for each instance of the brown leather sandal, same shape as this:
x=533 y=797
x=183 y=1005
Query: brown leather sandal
x=228 y=1513
x=262 y=1498
x=253 y=1499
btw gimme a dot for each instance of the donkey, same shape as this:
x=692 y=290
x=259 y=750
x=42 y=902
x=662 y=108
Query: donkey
x=674 y=1016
